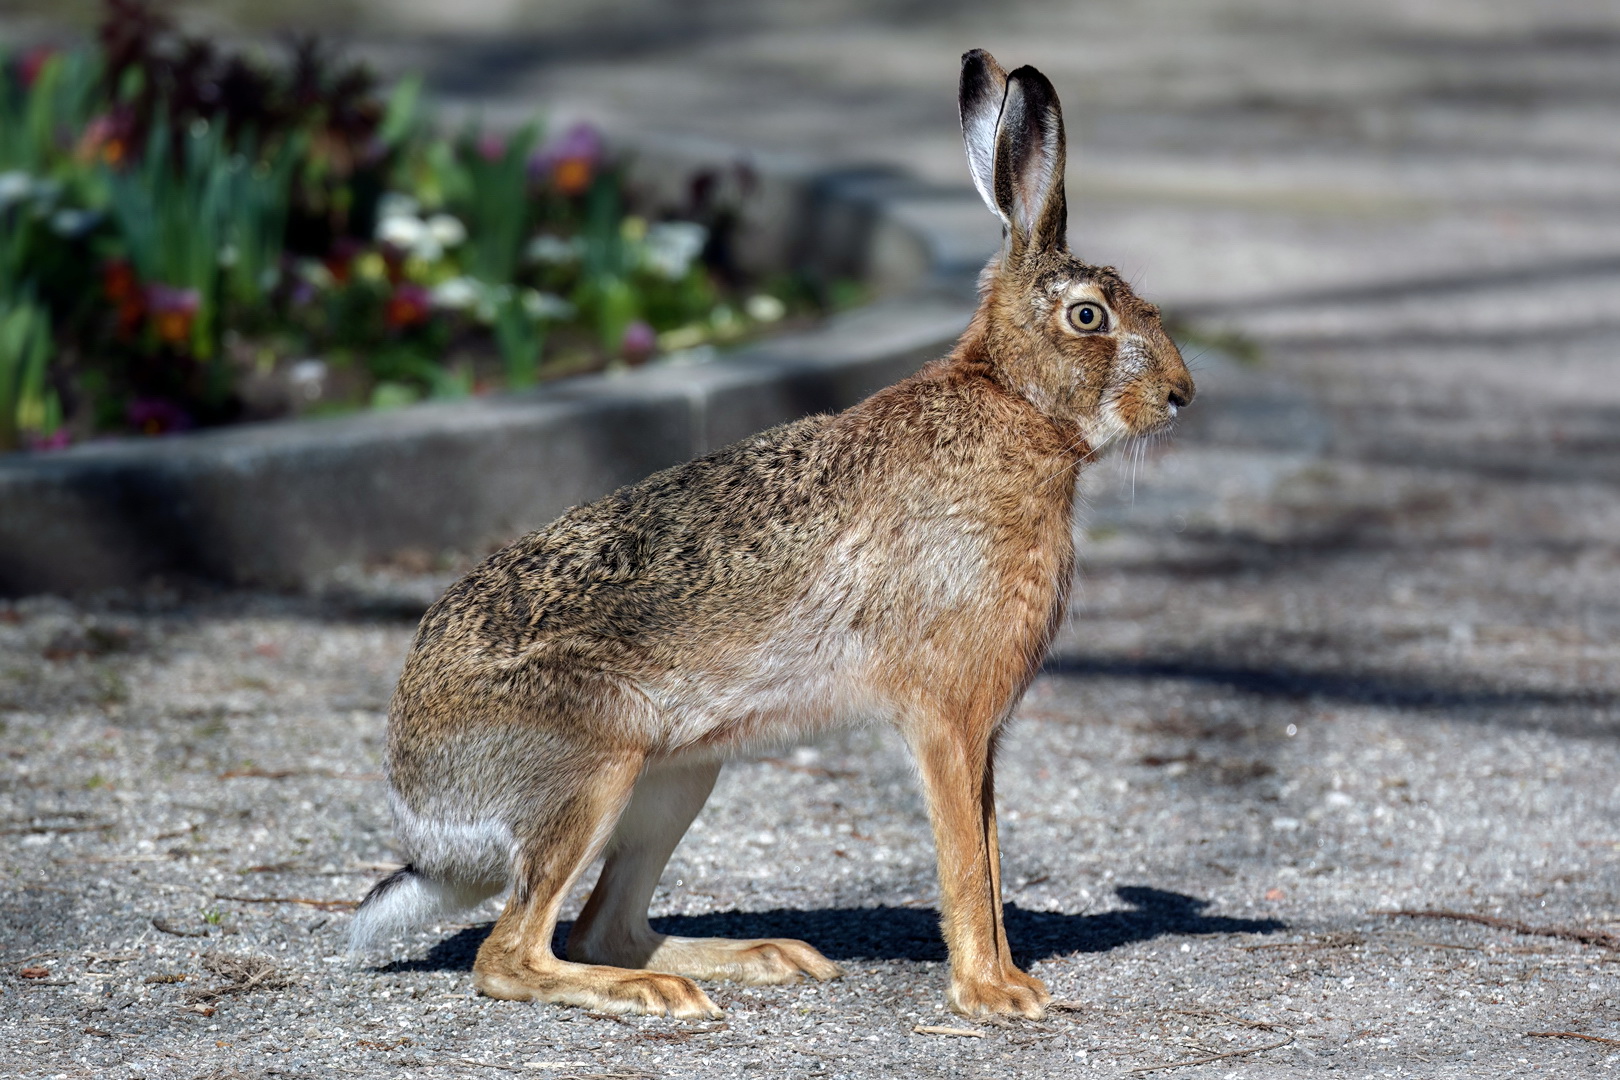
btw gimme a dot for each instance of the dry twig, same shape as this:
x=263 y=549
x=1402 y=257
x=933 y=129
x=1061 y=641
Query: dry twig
x=283 y=774
x=1190 y=1062
x=41 y=830
x=1244 y=1021
x=1600 y=938
x=323 y=905
x=1570 y=1035
x=1330 y=941
x=242 y=974
x=930 y=1029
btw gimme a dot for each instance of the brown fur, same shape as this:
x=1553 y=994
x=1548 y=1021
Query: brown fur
x=908 y=560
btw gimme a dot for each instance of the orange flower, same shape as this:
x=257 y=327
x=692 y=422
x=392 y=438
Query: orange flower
x=571 y=176
x=570 y=161
x=105 y=137
x=173 y=311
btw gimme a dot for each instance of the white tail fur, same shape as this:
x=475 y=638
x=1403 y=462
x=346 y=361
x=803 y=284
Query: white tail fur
x=407 y=898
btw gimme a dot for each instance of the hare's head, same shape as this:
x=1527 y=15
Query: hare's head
x=1070 y=337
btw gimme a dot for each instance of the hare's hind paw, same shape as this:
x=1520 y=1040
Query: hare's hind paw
x=602 y=989
x=759 y=962
x=1016 y=994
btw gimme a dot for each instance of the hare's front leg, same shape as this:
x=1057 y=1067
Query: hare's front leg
x=958 y=779
x=613 y=927
x=570 y=821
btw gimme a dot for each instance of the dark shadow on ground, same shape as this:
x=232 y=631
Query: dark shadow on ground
x=891 y=933
x=1547 y=709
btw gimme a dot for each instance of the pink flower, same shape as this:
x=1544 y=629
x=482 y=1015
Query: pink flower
x=107 y=137
x=491 y=147
x=640 y=342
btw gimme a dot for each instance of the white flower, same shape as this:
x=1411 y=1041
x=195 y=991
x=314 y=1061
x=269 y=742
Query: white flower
x=764 y=308
x=15 y=186
x=544 y=305
x=447 y=230
x=554 y=250
x=458 y=293
x=402 y=231
x=671 y=246
x=396 y=204
x=308 y=378
x=72 y=223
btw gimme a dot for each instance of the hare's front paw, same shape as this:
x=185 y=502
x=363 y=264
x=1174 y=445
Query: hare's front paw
x=1014 y=994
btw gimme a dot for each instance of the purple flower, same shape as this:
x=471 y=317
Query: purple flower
x=569 y=161
x=60 y=439
x=639 y=343
x=157 y=416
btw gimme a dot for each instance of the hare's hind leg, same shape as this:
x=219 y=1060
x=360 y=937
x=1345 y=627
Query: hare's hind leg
x=516 y=962
x=613 y=928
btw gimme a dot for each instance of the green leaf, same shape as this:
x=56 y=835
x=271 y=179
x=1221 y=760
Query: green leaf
x=401 y=118
x=519 y=339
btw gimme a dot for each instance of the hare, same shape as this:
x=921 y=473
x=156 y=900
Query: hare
x=908 y=559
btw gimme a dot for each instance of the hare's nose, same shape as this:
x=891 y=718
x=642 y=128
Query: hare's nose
x=1180 y=394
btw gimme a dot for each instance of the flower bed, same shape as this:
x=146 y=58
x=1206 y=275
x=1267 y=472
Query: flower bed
x=191 y=237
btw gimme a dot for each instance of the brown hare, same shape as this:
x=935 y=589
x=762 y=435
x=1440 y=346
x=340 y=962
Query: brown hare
x=907 y=560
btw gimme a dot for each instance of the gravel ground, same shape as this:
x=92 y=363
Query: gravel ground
x=1351 y=646
x=1297 y=690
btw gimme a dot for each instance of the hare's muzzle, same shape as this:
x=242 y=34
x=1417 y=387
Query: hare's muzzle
x=1179 y=394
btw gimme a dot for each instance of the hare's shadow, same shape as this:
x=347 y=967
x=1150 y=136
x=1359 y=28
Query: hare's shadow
x=891 y=933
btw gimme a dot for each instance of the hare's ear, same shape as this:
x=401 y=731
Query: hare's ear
x=1029 y=165
x=982 y=88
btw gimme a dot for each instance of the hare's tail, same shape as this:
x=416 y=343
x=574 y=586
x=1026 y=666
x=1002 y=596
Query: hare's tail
x=408 y=898
x=453 y=867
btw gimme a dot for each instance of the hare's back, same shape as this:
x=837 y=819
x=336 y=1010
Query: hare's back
x=722 y=541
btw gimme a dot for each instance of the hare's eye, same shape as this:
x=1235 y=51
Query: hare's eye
x=1088 y=317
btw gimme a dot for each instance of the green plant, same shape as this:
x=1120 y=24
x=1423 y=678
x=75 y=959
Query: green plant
x=494 y=200
x=27 y=402
x=36 y=114
x=519 y=335
x=191 y=234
